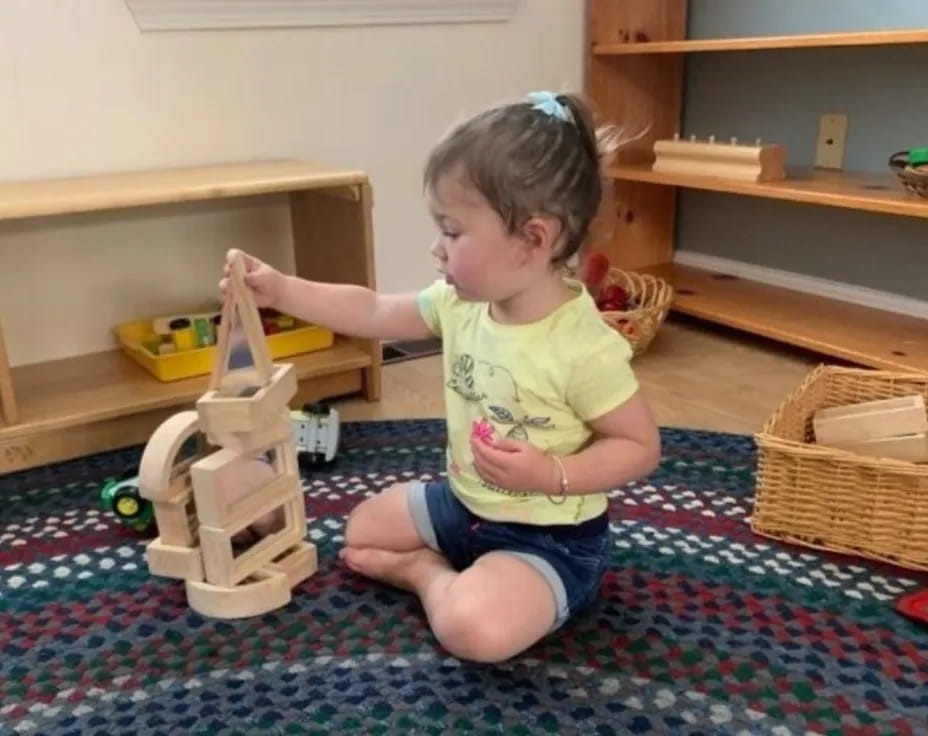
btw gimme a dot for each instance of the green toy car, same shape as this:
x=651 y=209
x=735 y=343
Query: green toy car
x=122 y=497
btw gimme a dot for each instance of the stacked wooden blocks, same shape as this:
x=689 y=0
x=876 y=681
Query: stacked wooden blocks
x=204 y=502
x=889 y=428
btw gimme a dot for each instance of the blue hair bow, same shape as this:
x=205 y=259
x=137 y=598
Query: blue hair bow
x=548 y=104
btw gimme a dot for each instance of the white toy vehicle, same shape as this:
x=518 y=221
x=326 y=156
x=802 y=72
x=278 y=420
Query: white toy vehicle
x=316 y=433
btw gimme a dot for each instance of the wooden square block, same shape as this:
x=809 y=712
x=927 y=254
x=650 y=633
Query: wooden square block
x=184 y=563
x=297 y=563
x=247 y=413
x=221 y=565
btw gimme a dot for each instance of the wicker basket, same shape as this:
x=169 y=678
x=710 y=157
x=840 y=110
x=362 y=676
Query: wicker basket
x=652 y=297
x=834 y=500
x=913 y=179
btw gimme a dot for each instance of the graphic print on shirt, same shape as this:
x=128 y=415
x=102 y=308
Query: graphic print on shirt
x=495 y=389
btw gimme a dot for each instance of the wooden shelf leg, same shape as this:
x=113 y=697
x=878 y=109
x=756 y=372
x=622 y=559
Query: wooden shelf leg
x=333 y=242
x=643 y=94
x=7 y=398
x=372 y=382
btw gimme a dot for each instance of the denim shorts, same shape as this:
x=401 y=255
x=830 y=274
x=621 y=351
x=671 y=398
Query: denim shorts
x=572 y=558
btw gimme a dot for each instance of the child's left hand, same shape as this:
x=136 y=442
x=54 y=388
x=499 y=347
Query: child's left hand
x=514 y=465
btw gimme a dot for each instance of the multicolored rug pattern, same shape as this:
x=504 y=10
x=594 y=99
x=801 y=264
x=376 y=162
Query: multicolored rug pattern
x=701 y=626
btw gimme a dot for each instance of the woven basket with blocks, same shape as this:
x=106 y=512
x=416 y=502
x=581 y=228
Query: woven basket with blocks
x=833 y=499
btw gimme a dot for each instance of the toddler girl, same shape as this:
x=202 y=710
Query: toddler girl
x=544 y=415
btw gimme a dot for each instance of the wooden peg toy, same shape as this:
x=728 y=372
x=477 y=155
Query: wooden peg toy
x=733 y=160
x=249 y=478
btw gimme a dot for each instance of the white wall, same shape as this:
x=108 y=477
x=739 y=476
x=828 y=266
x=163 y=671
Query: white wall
x=83 y=91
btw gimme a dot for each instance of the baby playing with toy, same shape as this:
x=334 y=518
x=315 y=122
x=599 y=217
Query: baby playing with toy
x=544 y=414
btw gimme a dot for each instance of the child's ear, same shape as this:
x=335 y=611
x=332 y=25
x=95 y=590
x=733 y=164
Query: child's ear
x=541 y=232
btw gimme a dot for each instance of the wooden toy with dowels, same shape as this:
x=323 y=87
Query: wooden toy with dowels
x=243 y=476
x=728 y=160
x=894 y=428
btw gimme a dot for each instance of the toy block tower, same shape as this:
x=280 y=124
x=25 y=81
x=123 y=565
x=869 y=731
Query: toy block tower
x=202 y=504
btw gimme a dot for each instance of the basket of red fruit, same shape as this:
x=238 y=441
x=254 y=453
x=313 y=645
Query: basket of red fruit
x=634 y=304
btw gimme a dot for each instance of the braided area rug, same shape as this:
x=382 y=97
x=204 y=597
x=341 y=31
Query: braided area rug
x=701 y=627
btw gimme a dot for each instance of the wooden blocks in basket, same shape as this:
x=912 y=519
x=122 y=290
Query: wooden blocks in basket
x=729 y=160
x=828 y=498
x=895 y=428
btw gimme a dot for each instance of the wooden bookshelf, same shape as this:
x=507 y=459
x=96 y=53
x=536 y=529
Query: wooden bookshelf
x=854 y=333
x=760 y=43
x=66 y=408
x=850 y=190
x=635 y=73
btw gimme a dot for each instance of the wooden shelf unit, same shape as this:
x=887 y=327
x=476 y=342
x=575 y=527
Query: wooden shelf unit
x=847 y=331
x=850 y=190
x=67 y=408
x=635 y=73
x=760 y=43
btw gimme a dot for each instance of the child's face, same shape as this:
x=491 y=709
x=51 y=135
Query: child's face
x=475 y=252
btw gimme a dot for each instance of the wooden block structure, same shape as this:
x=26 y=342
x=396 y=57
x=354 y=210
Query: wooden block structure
x=728 y=160
x=888 y=428
x=246 y=472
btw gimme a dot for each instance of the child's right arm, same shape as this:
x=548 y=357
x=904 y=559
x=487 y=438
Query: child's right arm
x=343 y=308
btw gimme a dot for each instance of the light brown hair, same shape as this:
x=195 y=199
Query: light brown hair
x=526 y=161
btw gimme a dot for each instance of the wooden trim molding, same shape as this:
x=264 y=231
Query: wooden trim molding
x=180 y=15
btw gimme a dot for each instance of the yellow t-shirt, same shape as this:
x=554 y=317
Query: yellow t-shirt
x=539 y=382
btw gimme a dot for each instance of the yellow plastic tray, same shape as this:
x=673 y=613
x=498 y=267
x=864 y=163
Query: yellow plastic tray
x=132 y=336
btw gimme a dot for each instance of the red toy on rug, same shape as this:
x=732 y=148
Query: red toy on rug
x=914 y=606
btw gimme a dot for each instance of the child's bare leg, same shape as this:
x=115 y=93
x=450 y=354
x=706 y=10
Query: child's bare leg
x=493 y=610
x=384 y=522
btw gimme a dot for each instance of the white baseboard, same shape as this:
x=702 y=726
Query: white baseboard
x=176 y=15
x=807 y=284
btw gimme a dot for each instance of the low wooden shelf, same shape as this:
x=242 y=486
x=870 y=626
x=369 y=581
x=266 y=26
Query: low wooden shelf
x=851 y=190
x=855 y=333
x=759 y=43
x=90 y=403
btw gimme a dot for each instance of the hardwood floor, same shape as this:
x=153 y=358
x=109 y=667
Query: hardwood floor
x=694 y=376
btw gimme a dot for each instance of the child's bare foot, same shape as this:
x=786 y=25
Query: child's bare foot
x=402 y=570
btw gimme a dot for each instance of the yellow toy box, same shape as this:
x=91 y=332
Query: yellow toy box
x=183 y=346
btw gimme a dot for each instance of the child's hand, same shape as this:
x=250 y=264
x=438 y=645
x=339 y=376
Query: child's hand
x=266 y=282
x=514 y=465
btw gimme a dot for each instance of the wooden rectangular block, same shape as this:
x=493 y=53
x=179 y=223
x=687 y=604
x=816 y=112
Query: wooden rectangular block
x=911 y=448
x=251 y=443
x=904 y=415
x=250 y=413
x=297 y=563
x=229 y=484
x=223 y=568
x=177 y=521
x=265 y=499
x=184 y=563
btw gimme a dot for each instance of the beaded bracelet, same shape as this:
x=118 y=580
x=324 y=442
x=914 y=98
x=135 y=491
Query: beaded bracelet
x=565 y=486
